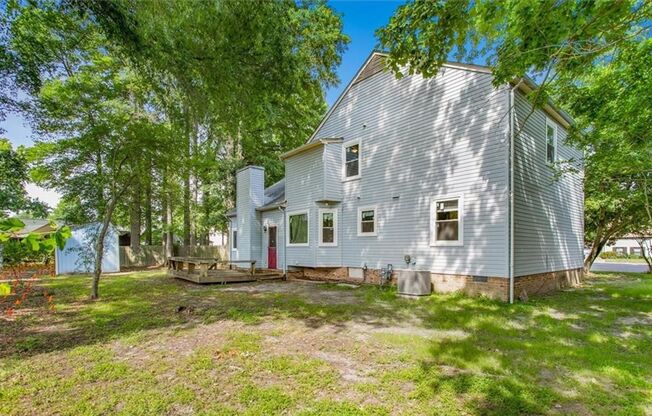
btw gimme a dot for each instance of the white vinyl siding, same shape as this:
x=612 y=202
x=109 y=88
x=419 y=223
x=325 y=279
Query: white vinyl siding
x=421 y=138
x=548 y=210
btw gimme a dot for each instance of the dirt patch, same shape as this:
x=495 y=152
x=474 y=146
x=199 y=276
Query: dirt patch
x=303 y=289
x=640 y=319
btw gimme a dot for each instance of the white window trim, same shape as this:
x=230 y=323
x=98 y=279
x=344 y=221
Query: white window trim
x=554 y=126
x=233 y=230
x=370 y=208
x=321 y=227
x=433 y=226
x=287 y=228
x=344 y=147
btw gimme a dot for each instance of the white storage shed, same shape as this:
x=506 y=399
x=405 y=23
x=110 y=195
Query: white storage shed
x=78 y=256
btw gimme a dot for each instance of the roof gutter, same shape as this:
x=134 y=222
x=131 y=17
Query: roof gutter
x=527 y=85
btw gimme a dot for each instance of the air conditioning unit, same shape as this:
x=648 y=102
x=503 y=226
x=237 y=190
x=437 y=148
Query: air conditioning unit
x=414 y=283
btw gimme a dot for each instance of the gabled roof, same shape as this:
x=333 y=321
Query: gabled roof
x=374 y=64
x=37 y=226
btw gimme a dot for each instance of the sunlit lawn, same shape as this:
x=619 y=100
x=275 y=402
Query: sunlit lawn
x=298 y=348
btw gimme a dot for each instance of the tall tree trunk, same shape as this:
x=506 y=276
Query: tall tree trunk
x=186 y=184
x=207 y=212
x=148 y=204
x=134 y=214
x=99 y=248
x=169 y=236
x=166 y=215
x=99 y=171
x=596 y=249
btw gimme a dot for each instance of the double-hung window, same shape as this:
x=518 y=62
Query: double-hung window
x=351 y=158
x=327 y=227
x=446 y=226
x=367 y=221
x=297 y=228
x=551 y=141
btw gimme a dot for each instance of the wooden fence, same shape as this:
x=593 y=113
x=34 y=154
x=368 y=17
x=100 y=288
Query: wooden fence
x=149 y=256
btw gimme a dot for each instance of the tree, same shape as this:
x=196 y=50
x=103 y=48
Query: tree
x=241 y=82
x=13 y=178
x=645 y=243
x=98 y=137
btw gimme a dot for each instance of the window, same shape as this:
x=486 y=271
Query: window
x=298 y=228
x=327 y=227
x=446 y=227
x=234 y=240
x=352 y=160
x=551 y=141
x=367 y=221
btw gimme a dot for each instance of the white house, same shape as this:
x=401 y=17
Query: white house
x=629 y=244
x=448 y=175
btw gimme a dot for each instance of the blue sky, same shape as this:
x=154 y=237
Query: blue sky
x=361 y=19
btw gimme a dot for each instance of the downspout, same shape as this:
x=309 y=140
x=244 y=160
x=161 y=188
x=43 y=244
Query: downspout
x=512 y=119
x=284 y=231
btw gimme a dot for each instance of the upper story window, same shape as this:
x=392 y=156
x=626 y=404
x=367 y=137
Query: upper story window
x=352 y=160
x=551 y=141
x=367 y=225
x=446 y=227
x=298 y=228
x=327 y=227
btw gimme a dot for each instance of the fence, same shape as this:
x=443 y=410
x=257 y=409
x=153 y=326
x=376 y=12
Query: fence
x=155 y=255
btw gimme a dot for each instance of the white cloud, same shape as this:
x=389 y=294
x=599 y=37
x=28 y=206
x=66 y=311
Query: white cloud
x=49 y=197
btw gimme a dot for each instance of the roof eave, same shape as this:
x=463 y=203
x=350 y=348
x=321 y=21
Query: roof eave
x=309 y=146
x=527 y=85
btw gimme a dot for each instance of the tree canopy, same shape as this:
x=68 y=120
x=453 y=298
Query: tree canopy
x=145 y=110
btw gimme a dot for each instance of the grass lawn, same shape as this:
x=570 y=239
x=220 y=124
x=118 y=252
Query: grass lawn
x=310 y=349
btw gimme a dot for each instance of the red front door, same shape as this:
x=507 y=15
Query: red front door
x=271 y=249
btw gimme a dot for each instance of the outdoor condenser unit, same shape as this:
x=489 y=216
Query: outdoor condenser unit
x=414 y=283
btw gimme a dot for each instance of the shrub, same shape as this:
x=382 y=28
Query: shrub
x=605 y=255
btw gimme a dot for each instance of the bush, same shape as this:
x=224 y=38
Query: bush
x=605 y=255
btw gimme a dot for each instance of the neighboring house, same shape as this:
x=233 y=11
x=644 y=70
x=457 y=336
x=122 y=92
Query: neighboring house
x=35 y=226
x=423 y=168
x=629 y=245
x=78 y=255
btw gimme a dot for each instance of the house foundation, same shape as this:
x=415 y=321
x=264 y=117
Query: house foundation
x=491 y=287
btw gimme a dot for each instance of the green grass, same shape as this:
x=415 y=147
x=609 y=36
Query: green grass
x=291 y=348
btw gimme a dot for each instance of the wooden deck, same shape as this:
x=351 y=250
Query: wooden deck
x=205 y=270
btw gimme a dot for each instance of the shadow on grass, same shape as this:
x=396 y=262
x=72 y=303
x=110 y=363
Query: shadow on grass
x=523 y=358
